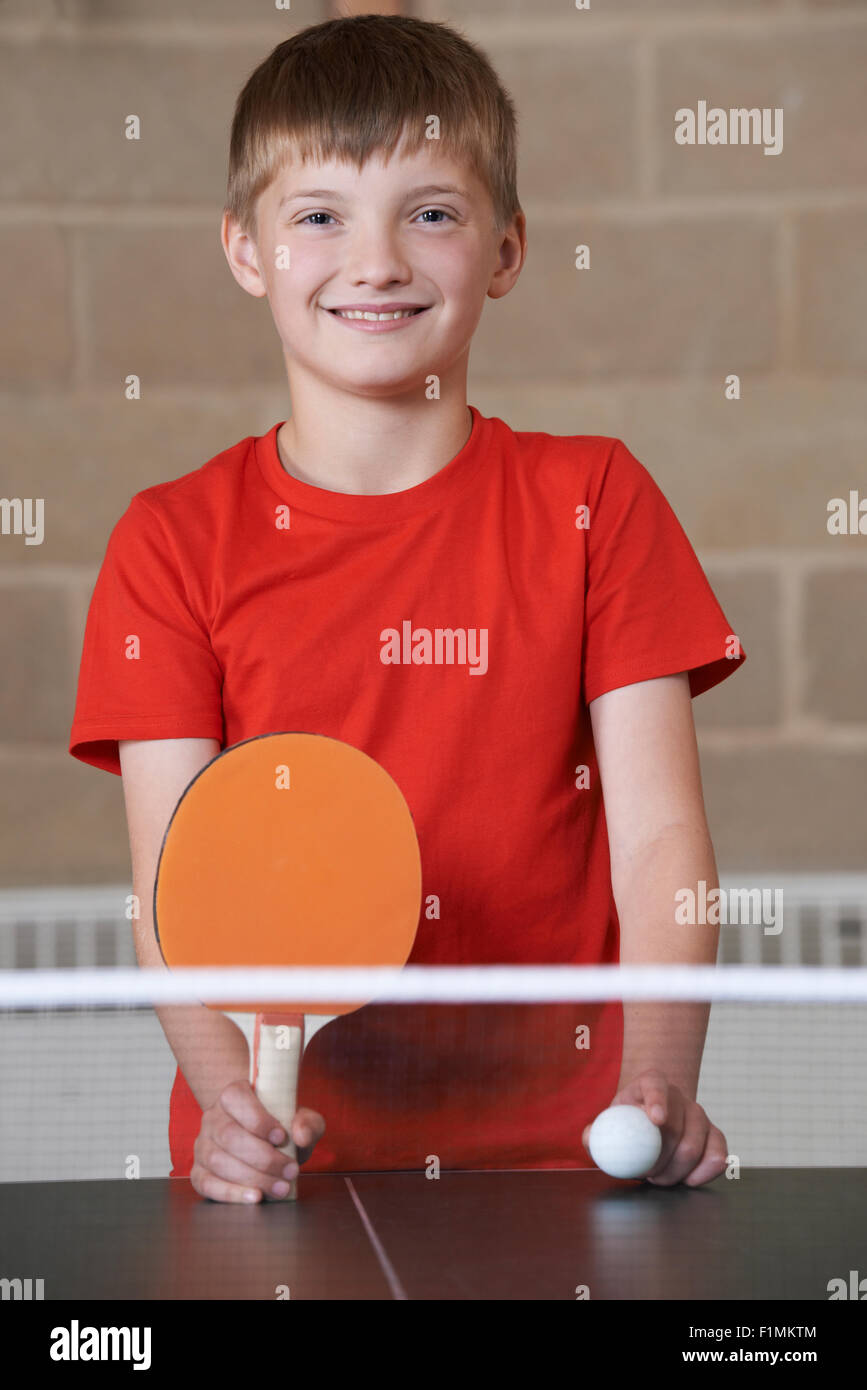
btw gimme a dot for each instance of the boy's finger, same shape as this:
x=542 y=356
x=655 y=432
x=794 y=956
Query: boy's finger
x=216 y=1190
x=654 y=1091
x=713 y=1160
x=240 y=1101
x=256 y=1152
x=681 y=1157
x=672 y=1131
x=219 y=1172
x=308 y=1127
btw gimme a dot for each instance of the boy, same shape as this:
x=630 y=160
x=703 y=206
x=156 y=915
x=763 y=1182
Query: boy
x=510 y=623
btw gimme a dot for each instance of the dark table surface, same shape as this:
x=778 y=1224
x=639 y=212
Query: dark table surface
x=771 y=1234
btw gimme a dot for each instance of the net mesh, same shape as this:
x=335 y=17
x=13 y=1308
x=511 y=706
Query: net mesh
x=88 y=1071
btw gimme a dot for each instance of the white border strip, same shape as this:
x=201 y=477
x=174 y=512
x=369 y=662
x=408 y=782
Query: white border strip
x=33 y=989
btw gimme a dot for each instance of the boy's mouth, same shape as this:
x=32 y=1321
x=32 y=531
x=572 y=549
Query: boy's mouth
x=378 y=322
x=370 y=316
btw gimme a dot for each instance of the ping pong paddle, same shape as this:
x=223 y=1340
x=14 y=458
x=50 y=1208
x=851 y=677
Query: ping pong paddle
x=289 y=849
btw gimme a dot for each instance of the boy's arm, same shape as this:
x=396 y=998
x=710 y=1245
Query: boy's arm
x=660 y=843
x=210 y=1049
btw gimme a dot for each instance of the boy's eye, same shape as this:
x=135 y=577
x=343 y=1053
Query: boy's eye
x=438 y=212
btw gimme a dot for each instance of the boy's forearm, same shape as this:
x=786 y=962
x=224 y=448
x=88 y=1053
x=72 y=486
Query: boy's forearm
x=663 y=1034
x=666 y=1036
x=210 y=1049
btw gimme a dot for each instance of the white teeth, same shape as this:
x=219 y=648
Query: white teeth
x=363 y=314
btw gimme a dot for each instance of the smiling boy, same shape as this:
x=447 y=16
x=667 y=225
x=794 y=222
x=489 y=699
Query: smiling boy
x=511 y=623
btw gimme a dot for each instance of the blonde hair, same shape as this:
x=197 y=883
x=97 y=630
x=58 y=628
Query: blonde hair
x=354 y=86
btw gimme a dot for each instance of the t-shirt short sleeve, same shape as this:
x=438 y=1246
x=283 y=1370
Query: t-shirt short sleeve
x=649 y=609
x=148 y=670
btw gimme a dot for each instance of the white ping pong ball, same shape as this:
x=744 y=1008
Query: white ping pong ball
x=624 y=1142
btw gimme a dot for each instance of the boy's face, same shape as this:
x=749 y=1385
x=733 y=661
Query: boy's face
x=417 y=231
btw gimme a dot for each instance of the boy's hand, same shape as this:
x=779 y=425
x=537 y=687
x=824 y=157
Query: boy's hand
x=236 y=1158
x=694 y=1151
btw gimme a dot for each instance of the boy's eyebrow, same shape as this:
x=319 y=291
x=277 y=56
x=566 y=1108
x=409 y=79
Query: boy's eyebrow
x=425 y=191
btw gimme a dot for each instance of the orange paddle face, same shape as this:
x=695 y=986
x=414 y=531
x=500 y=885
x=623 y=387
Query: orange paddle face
x=291 y=849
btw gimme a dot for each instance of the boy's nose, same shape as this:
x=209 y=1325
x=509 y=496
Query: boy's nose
x=376 y=257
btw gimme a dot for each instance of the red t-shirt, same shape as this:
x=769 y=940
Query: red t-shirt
x=456 y=632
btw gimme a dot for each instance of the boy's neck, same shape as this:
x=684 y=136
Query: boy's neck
x=361 y=445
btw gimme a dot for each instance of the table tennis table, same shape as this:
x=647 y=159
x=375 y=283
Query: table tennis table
x=770 y=1234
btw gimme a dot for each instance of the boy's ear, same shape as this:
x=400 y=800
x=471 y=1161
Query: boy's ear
x=242 y=255
x=512 y=254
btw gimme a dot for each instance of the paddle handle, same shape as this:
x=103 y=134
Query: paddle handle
x=278 y=1042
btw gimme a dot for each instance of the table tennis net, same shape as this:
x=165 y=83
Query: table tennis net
x=444 y=1061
